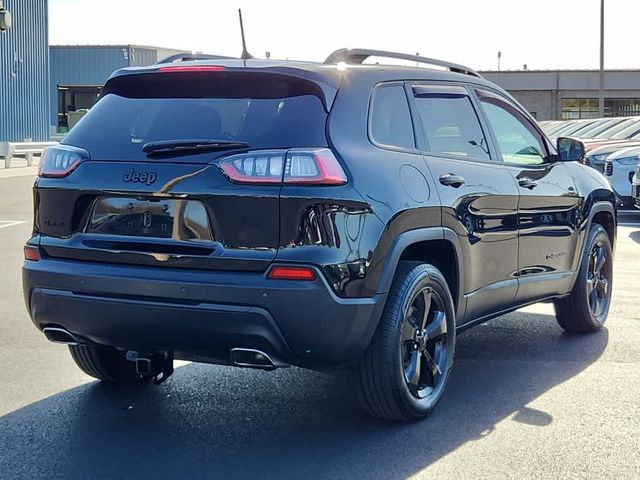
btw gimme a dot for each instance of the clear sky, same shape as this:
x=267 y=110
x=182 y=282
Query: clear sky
x=543 y=34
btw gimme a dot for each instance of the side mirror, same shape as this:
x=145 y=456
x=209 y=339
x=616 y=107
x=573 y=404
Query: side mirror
x=570 y=149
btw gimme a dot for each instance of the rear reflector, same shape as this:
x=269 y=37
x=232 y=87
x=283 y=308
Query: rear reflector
x=31 y=253
x=191 y=68
x=60 y=161
x=290 y=167
x=291 y=273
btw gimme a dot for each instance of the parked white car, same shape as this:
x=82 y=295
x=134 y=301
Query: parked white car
x=596 y=157
x=619 y=169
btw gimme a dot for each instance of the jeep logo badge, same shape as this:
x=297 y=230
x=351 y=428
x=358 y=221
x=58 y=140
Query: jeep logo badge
x=140 y=177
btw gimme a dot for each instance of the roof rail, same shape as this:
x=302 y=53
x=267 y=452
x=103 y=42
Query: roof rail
x=359 y=55
x=186 y=57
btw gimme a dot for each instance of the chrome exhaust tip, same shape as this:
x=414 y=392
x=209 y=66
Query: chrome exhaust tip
x=60 y=335
x=249 y=357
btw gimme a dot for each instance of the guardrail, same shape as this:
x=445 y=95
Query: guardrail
x=8 y=150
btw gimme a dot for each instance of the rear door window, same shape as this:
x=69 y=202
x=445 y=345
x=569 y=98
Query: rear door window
x=390 y=119
x=449 y=122
x=279 y=114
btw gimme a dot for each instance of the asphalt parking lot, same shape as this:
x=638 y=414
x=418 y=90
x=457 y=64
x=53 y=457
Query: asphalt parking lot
x=525 y=401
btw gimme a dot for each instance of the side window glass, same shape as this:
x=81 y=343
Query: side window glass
x=450 y=122
x=519 y=142
x=390 y=119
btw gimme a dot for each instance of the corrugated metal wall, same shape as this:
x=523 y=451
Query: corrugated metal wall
x=24 y=72
x=168 y=52
x=141 y=57
x=83 y=65
x=92 y=65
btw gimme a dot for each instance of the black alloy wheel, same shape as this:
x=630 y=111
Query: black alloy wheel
x=598 y=275
x=404 y=371
x=586 y=308
x=424 y=343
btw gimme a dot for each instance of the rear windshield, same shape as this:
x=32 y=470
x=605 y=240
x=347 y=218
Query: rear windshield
x=279 y=114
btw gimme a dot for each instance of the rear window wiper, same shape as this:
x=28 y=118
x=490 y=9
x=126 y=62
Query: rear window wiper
x=171 y=148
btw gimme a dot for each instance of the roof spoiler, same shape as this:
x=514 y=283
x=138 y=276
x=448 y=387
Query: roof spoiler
x=187 y=57
x=359 y=55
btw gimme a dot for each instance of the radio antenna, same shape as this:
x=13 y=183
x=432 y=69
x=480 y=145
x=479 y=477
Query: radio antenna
x=245 y=55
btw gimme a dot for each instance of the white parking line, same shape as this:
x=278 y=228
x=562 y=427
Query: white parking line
x=10 y=223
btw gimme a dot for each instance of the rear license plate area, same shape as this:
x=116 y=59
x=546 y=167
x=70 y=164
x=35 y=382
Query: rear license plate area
x=180 y=220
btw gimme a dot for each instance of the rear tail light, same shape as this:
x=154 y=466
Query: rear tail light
x=31 y=253
x=256 y=167
x=315 y=167
x=291 y=273
x=60 y=161
x=291 y=167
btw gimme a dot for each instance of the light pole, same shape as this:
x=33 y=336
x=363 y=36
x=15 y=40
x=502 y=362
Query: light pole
x=601 y=87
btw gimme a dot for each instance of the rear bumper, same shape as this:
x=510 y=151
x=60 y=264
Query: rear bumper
x=200 y=315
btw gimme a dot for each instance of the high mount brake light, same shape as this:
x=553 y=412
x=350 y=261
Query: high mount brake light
x=60 y=161
x=297 y=166
x=192 y=68
x=291 y=273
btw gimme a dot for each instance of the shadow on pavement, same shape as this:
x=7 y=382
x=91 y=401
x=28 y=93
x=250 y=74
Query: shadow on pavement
x=635 y=236
x=218 y=422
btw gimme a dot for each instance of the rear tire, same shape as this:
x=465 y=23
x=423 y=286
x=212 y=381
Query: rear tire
x=585 y=310
x=406 y=367
x=106 y=364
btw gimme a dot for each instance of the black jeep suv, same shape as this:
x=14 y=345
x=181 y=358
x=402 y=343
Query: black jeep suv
x=266 y=214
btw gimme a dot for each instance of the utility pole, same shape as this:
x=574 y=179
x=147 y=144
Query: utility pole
x=601 y=89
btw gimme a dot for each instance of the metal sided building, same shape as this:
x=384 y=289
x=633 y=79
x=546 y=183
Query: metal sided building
x=78 y=73
x=24 y=72
x=570 y=94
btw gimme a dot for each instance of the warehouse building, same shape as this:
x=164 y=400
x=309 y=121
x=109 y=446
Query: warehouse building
x=40 y=85
x=570 y=94
x=78 y=73
x=24 y=72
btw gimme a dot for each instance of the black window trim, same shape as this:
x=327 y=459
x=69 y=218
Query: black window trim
x=551 y=154
x=393 y=148
x=454 y=87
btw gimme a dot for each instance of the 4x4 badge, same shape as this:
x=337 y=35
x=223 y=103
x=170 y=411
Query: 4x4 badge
x=140 y=177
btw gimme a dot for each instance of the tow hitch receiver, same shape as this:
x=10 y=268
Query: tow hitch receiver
x=157 y=366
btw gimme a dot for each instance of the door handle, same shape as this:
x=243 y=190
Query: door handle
x=526 y=182
x=452 y=180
